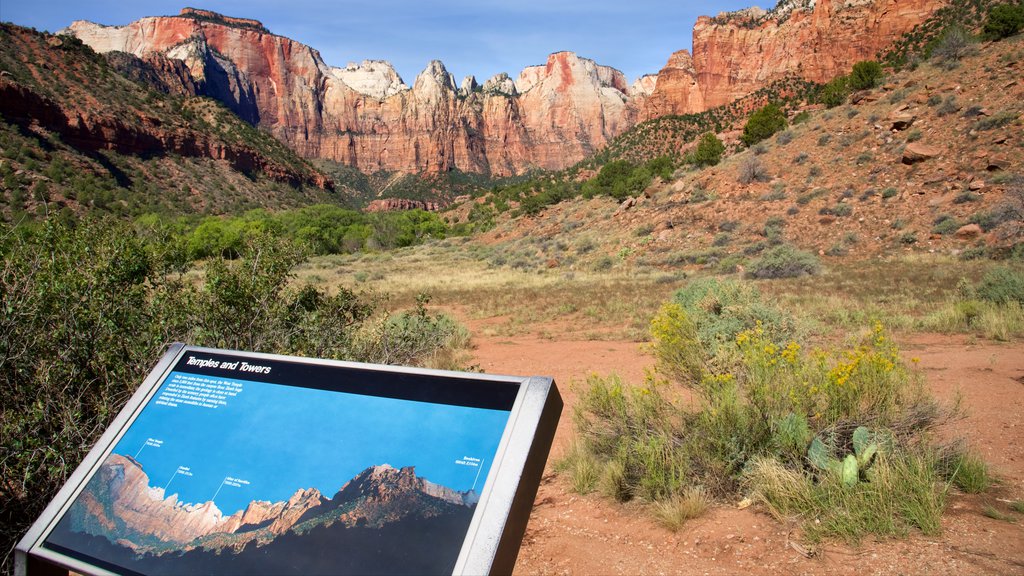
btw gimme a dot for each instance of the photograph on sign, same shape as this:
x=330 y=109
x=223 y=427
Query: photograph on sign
x=260 y=473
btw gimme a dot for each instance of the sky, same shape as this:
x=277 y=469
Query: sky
x=279 y=439
x=478 y=37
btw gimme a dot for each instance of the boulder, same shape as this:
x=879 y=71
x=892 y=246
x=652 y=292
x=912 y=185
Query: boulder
x=901 y=121
x=968 y=232
x=997 y=163
x=916 y=152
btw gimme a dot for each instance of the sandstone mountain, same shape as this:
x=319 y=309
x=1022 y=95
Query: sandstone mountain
x=81 y=131
x=363 y=115
x=736 y=53
x=549 y=117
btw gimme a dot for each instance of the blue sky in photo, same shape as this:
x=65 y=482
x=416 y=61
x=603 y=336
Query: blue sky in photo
x=479 y=37
x=282 y=438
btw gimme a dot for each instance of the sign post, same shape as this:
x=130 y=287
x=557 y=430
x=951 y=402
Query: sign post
x=233 y=462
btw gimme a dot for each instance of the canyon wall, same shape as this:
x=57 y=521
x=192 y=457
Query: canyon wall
x=549 y=117
x=737 y=53
x=363 y=114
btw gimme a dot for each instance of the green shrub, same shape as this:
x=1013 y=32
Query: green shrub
x=708 y=151
x=89 y=306
x=1003 y=21
x=1002 y=285
x=762 y=124
x=783 y=261
x=718 y=310
x=945 y=224
x=758 y=404
x=866 y=74
x=834 y=93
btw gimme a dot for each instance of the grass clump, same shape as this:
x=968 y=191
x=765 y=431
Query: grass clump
x=971 y=474
x=994 y=307
x=673 y=513
x=784 y=261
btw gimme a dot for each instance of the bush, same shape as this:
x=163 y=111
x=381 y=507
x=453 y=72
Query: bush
x=708 y=151
x=758 y=404
x=88 y=307
x=1002 y=285
x=834 y=93
x=1003 y=21
x=783 y=262
x=752 y=170
x=763 y=123
x=945 y=224
x=954 y=44
x=865 y=74
x=718 y=310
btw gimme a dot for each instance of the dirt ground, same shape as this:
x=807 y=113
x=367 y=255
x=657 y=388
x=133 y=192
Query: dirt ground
x=573 y=534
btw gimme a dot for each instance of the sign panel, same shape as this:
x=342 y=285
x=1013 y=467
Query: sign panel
x=227 y=462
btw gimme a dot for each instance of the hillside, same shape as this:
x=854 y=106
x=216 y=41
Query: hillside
x=843 y=182
x=77 y=134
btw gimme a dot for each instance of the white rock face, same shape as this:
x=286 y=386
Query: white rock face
x=529 y=77
x=500 y=84
x=644 y=86
x=468 y=86
x=376 y=78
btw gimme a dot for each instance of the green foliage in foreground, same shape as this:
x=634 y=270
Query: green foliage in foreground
x=763 y=123
x=757 y=405
x=87 y=309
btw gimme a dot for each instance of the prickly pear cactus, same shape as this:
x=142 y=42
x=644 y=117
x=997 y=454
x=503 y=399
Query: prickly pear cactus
x=851 y=472
x=864 y=446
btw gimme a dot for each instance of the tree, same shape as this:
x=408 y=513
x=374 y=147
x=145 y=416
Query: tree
x=1003 y=21
x=708 y=151
x=835 y=92
x=763 y=123
x=865 y=75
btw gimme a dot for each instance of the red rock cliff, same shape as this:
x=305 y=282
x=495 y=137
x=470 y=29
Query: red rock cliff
x=736 y=53
x=364 y=116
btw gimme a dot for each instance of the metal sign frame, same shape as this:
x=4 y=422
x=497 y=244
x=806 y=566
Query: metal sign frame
x=498 y=523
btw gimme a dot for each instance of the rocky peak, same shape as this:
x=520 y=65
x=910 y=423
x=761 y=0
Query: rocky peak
x=375 y=78
x=468 y=86
x=500 y=84
x=435 y=72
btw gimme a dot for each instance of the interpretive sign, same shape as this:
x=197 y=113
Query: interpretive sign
x=228 y=462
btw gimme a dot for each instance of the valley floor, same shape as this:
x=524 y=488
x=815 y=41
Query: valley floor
x=570 y=324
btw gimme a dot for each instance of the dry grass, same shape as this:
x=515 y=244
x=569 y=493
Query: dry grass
x=616 y=304
x=674 y=512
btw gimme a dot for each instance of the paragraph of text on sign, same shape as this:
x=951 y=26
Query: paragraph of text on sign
x=200 y=391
